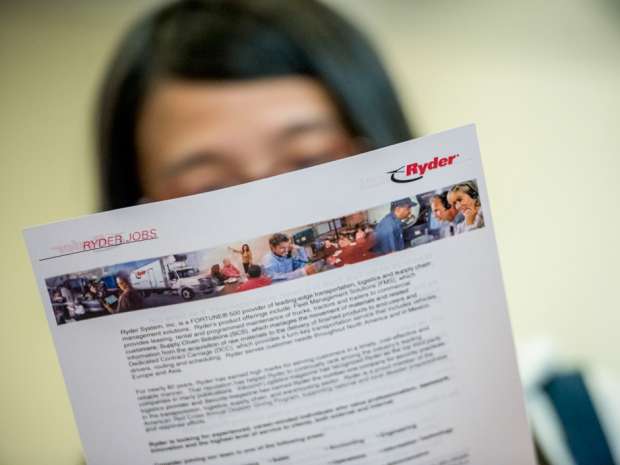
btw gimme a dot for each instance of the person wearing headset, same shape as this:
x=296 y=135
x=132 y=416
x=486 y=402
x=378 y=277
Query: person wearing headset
x=465 y=198
x=446 y=215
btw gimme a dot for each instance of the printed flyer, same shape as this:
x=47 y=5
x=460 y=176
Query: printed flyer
x=348 y=313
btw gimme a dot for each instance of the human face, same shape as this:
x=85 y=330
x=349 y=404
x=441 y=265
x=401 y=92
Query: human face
x=442 y=213
x=463 y=203
x=122 y=285
x=281 y=249
x=199 y=136
x=402 y=212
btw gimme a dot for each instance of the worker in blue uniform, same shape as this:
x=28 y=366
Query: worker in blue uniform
x=389 y=231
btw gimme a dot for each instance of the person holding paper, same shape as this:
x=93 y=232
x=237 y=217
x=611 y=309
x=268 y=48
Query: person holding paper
x=389 y=231
x=285 y=261
x=157 y=135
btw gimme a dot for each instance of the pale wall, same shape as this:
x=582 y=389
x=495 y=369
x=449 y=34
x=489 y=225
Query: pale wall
x=540 y=79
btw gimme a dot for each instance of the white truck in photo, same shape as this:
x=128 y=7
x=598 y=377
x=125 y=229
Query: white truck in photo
x=170 y=274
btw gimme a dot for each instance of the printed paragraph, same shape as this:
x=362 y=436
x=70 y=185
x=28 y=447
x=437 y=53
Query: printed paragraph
x=191 y=403
x=164 y=349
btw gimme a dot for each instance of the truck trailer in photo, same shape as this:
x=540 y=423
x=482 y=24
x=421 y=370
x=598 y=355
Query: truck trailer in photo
x=170 y=274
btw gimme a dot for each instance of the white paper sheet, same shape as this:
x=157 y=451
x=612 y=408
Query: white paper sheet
x=375 y=358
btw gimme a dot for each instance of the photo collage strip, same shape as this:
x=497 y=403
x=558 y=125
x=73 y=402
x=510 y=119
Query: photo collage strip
x=264 y=261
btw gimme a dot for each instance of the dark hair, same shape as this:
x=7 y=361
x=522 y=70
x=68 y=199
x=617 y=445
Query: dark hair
x=239 y=39
x=217 y=273
x=443 y=198
x=124 y=276
x=245 y=247
x=254 y=271
x=277 y=239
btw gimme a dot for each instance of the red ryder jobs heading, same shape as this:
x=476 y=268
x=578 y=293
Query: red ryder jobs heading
x=119 y=239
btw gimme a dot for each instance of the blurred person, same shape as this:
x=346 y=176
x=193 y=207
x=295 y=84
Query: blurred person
x=229 y=270
x=447 y=215
x=329 y=247
x=97 y=289
x=70 y=300
x=465 y=198
x=333 y=261
x=206 y=94
x=323 y=249
x=91 y=291
x=354 y=252
x=365 y=235
x=360 y=234
x=285 y=260
x=129 y=298
x=389 y=231
x=217 y=276
x=246 y=256
x=255 y=279
x=61 y=313
x=344 y=241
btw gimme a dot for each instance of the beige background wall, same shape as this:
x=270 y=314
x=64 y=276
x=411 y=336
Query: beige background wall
x=539 y=78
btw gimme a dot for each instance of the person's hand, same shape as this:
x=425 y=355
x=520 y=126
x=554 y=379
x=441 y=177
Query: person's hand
x=470 y=215
x=310 y=269
x=333 y=260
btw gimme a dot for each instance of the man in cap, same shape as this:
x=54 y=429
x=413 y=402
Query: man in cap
x=389 y=231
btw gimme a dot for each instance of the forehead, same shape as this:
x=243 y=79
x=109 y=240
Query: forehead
x=459 y=194
x=193 y=113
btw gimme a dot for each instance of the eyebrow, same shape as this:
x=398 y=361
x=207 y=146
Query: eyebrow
x=305 y=126
x=296 y=129
x=188 y=162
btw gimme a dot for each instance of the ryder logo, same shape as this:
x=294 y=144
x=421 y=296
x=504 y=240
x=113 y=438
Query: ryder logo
x=414 y=171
